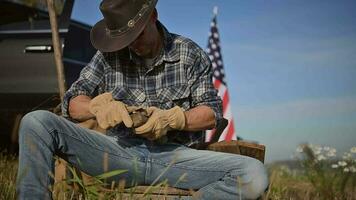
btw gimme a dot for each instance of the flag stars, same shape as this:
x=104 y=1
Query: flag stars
x=223 y=80
x=213 y=46
x=216 y=73
x=214 y=65
x=216 y=54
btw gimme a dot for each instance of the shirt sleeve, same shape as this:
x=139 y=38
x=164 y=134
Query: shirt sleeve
x=89 y=80
x=200 y=78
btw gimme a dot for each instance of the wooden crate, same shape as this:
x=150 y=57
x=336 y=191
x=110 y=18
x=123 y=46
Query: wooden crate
x=240 y=147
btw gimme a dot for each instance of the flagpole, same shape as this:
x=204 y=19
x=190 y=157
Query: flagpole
x=215 y=10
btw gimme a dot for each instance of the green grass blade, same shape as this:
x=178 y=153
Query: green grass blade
x=110 y=174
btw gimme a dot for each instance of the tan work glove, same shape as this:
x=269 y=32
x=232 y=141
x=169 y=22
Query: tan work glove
x=161 y=121
x=109 y=112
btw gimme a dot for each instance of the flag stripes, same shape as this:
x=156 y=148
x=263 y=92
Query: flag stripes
x=214 y=53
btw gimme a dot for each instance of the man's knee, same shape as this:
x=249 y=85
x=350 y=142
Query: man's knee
x=37 y=116
x=36 y=120
x=33 y=128
x=256 y=179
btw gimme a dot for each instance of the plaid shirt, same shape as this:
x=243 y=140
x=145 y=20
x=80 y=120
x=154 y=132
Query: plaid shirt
x=180 y=75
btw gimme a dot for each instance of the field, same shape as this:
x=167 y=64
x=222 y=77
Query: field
x=317 y=173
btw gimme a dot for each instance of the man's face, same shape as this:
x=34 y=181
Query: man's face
x=144 y=44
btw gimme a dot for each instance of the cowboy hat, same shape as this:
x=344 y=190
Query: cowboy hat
x=123 y=22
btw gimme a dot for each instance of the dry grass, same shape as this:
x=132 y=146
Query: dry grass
x=294 y=185
x=285 y=184
x=317 y=175
x=8 y=171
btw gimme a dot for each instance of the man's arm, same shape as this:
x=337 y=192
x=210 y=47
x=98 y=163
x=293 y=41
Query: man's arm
x=199 y=118
x=207 y=112
x=76 y=99
x=79 y=108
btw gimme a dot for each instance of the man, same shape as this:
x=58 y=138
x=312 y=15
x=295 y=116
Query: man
x=139 y=65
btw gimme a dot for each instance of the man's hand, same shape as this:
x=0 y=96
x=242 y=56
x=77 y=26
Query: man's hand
x=161 y=121
x=109 y=112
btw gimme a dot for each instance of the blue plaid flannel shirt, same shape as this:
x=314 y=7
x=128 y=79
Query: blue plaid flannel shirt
x=181 y=75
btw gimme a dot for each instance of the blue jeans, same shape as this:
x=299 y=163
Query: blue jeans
x=214 y=175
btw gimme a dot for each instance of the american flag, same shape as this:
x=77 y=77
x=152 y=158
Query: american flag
x=219 y=80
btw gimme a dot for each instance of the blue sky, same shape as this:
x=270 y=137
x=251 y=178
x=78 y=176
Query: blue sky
x=290 y=65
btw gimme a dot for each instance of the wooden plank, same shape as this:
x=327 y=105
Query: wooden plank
x=240 y=147
x=152 y=196
x=159 y=190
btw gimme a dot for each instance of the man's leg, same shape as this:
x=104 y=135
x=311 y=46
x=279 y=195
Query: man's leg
x=217 y=175
x=43 y=134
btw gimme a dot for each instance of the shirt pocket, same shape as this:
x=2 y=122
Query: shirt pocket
x=175 y=95
x=129 y=96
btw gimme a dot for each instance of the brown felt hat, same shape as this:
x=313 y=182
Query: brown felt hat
x=123 y=22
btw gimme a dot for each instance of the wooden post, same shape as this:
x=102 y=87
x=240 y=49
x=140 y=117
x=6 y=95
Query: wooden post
x=57 y=48
x=60 y=169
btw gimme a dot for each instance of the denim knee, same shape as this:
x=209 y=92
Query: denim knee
x=34 y=117
x=36 y=121
x=256 y=179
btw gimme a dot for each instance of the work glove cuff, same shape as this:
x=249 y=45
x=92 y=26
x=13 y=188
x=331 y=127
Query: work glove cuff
x=99 y=101
x=176 y=118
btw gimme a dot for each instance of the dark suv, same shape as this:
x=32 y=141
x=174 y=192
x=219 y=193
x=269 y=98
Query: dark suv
x=28 y=79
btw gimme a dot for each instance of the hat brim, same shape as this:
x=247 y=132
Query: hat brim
x=103 y=41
